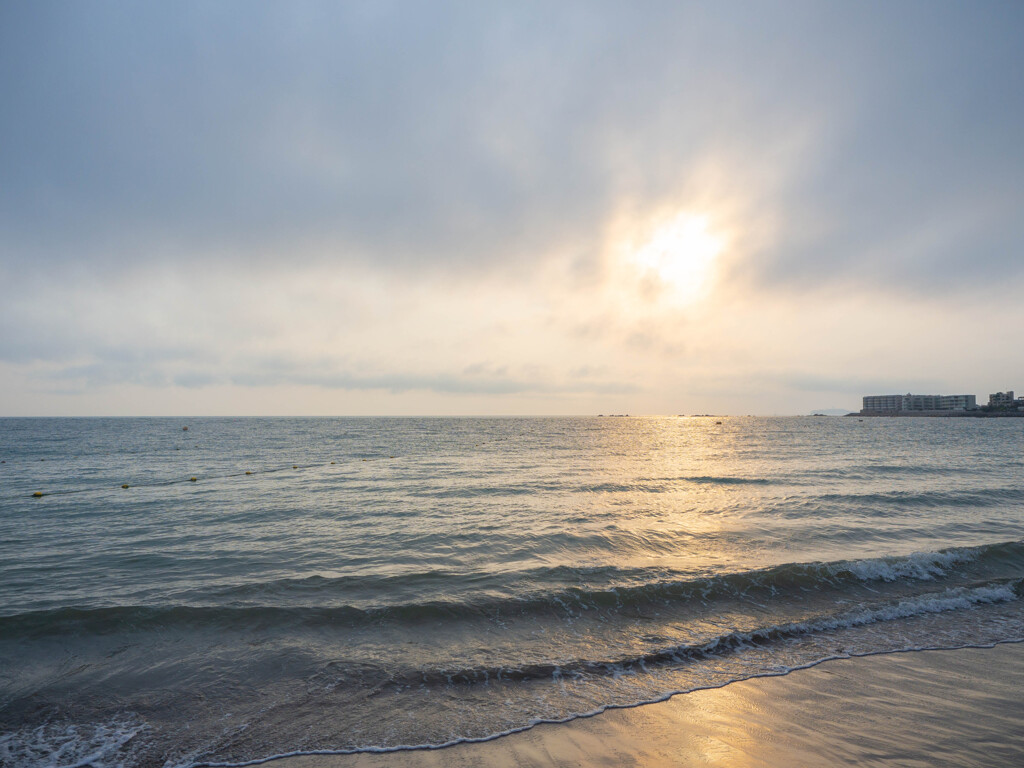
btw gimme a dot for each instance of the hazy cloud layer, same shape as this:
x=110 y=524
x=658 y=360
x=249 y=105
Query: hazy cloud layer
x=432 y=198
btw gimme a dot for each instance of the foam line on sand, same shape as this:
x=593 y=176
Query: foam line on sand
x=952 y=708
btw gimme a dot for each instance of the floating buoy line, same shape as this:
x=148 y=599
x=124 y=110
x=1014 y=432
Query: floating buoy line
x=196 y=478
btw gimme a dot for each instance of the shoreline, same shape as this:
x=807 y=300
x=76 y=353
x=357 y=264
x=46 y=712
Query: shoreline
x=923 y=707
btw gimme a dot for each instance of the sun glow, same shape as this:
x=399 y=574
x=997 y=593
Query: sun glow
x=679 y=256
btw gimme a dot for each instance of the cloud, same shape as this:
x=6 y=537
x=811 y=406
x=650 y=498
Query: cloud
x=424 y=137
x=340 y=132
x=913 y=187
x=409 y=198
x=273 y=327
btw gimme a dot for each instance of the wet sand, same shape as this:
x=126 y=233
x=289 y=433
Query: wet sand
x=928 y=708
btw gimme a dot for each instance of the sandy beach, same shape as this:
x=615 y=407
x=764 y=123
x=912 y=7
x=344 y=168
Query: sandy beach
x=928 y=708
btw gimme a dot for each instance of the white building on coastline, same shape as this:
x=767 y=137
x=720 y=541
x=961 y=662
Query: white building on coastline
x=1001 y=400
x=958 y=403
x=877 y=404
x=1004 y=401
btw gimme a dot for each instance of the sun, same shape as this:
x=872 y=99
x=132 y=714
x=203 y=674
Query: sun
x=679 y=256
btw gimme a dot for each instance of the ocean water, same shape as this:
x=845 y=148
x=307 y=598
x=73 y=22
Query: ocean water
x=372 y=584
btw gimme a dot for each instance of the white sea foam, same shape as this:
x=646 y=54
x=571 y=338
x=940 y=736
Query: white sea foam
x=949 y=600
x=920 y=565
x=65 y=745
x=941 y=602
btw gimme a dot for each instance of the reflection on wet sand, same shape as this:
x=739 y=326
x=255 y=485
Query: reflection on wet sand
x=950 y=708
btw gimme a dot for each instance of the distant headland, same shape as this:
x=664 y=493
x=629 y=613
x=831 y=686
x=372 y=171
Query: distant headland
x=999 y=404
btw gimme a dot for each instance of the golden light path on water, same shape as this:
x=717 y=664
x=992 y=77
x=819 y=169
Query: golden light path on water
x=674 y=488
x=663 y=466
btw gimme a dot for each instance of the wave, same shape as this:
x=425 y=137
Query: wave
x=867 y=470
x=725 y=644
x=318 y=596
x=640 y=584
x=725 y=480
x=985 y=497
x=941 y=602
x=538 y=487
x=664 y=484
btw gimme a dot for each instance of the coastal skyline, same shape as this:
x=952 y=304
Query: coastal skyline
x=444 y=209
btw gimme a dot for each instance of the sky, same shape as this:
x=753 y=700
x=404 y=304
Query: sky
x=410 y=208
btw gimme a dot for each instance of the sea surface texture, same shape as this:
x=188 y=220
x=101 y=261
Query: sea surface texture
x=276 y=586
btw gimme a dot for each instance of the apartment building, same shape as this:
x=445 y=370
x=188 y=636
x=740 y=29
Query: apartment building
x=873 y=404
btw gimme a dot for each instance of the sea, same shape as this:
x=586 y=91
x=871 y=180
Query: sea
x=224 y=591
